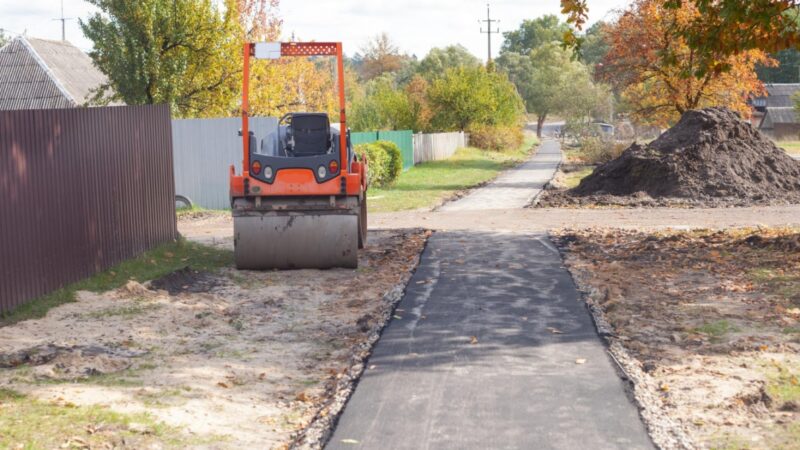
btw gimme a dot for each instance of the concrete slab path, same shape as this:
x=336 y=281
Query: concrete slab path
x=491 y=346
x=515 y=188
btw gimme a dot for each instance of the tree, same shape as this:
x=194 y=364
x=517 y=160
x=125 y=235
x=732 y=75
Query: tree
x=534 y=33
x=466 y=96
x=595 y=44
x=659 y=92
x=439 y=60
x=551 y=82
x=787 y=70
x=177 y=52
x=3 y=38
x=722 y=28
x=380 y=55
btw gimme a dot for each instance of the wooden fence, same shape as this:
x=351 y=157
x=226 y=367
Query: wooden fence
x=436 y=146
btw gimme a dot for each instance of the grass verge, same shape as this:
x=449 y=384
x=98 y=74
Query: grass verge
x=148 y=266
x=427 y=184
x=33 y=424
x=791 y=147
x=573 y=179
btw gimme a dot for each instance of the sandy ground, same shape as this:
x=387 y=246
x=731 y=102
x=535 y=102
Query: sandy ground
x=237 y=359
x=707 y=324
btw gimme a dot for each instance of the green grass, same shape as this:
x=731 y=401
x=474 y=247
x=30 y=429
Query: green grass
x=791 y=147
x=784 y=384
x=573 y=179
x=427 y=184
x=33 y=424
x=148 y=266
x=716 y=330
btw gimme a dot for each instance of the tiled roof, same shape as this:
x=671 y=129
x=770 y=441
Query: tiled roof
x=39 y=74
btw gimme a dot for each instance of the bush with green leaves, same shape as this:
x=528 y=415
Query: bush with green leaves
x=495 y=137
x=385 y=162
x=394 y=165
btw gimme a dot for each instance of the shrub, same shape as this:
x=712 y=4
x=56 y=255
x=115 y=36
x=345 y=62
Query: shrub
x=394 y=165
x=495 y=137
x=595 y=150
x=378 y=160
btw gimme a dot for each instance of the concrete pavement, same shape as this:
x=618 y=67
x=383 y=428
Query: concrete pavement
x=515 y=188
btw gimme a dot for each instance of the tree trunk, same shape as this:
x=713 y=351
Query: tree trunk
x=540 y=124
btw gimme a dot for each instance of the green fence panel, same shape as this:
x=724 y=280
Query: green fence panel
x=363 y=137
x=405 y=141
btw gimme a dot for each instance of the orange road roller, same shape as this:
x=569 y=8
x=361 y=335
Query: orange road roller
x=300 y=202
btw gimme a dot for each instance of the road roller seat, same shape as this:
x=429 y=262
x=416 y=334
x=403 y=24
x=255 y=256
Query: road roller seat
x=310 y=134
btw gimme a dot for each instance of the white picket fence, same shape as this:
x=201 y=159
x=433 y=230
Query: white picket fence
x=436 y=146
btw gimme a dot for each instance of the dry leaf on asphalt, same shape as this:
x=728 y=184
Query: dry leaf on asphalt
x=473 y=340
x=580 y=361
x=554 y=330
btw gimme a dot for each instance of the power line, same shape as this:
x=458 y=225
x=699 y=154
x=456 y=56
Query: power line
x=64 y=22
x=489 y=32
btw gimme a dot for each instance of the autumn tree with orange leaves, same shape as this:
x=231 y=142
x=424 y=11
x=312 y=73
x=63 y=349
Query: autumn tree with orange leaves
x=721 y=29
x=660 y=76
x=288 y=84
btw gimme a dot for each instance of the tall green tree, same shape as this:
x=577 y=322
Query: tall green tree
x=3 y=38
x=438 y=60
x=595 y=44
x=178 y=52
x=551 y=82
x=787 y=70
x=534 y=33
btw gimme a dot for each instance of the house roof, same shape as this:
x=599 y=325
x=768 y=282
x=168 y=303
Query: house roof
x=780 y=94
x=38 y=74
x=775 y=116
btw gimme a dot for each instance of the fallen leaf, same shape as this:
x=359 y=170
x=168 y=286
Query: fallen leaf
x=473 y=340
x=554 y=330
x=664 y=387
x=302 y=397
x=222 y=385
x=397 y=317
x=580 y=361
x=349 y=441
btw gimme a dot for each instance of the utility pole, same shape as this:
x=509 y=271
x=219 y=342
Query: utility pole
x=489 y=32
x=63 y=22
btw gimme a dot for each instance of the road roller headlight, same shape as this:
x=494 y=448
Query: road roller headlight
x=333 y=166
x=256 y=167
x=322 y=171
x=268 y=172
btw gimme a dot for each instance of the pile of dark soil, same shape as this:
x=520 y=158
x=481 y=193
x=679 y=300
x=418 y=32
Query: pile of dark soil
x=186 y=280
x=710 y=158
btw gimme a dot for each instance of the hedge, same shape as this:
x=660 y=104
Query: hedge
x=385 y=162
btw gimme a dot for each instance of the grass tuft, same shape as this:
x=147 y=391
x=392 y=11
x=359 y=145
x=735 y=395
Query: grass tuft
x=150 y=265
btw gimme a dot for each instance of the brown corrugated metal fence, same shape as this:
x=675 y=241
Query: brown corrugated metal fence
x=80 y=190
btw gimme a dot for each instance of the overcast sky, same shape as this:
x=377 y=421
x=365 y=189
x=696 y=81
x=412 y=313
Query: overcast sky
x=415 y=25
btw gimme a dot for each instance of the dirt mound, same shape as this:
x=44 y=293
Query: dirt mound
x=710 y=158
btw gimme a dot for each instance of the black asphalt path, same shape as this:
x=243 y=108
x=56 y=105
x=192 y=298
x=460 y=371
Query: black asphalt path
x=475 y=358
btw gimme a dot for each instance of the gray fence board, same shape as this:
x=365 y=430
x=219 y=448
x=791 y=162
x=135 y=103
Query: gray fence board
x=204 y=150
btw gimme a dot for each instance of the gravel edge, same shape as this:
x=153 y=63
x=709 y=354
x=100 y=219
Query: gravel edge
x=320 y=429
x=666 y=433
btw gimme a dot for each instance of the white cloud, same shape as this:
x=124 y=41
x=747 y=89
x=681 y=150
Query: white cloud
x=415 y=25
